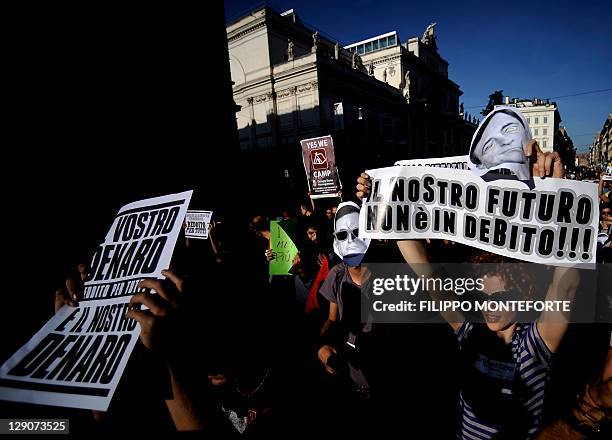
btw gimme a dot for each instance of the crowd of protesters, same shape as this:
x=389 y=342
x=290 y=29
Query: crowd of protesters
x=231 y=351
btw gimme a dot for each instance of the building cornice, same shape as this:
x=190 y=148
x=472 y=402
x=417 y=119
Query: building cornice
x=268 y=96
x=385 y=59
x=312 y=85
x=286 y=92
x=289 y=91
x=247 y=29
x=254 y=84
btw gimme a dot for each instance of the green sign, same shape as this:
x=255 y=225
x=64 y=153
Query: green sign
x=282 y=245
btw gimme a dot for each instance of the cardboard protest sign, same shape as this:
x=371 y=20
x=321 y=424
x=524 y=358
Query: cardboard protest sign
x=320 y=165
x=281 y=244
x=454 y=162
x=196 y=224
x=77 y=358
x=554 y=221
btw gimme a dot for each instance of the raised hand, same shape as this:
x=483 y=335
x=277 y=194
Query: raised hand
x=544 y=164
x=158 y=324
x=364 y=186
x=70 y=294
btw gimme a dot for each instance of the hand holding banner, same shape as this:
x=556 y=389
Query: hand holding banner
x=77 y=358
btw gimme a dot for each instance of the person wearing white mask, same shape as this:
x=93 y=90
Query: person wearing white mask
x=342 y=288
x=347 y=244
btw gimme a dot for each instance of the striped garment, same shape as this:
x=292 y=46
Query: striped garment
x=532 y=358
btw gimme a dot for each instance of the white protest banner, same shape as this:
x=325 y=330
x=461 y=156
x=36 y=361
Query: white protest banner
x=454 y=162
x=138 y=245
x=196 y=224
x=552 y=222
x=77 y=358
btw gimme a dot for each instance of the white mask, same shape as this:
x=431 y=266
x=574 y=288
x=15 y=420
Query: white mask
x=499 y=142
x=346 y=243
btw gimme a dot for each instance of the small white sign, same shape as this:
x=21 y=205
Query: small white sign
x=196 y=224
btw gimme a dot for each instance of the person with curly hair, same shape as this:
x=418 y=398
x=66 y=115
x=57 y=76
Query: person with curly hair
x=505 y=364
x=505 y=361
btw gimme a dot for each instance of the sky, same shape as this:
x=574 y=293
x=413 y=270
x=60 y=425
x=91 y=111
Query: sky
x=528 y=49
